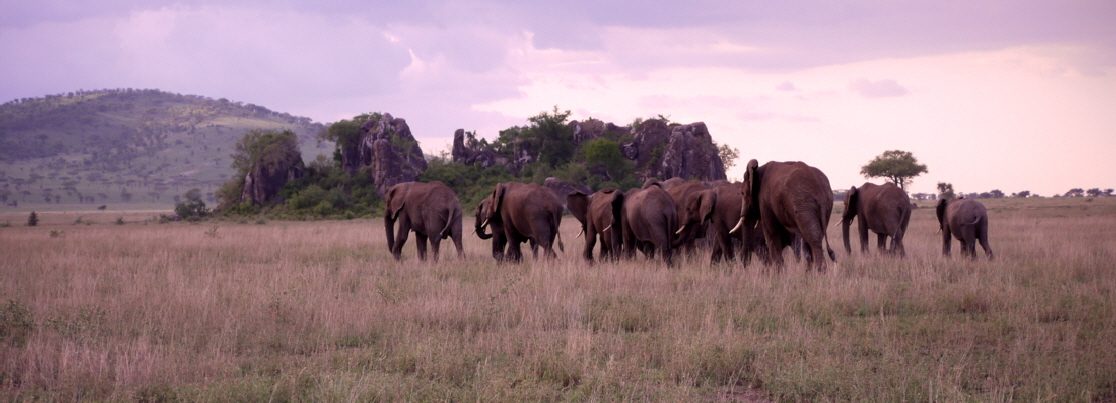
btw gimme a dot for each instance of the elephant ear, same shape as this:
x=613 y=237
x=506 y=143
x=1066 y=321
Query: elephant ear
x=498 y=198
x=852 y=201
x=578 y=204
x=940 y=210
x=395 y=199
x=708 y=200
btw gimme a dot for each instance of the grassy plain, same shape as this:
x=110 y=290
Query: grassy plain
x=318 y=311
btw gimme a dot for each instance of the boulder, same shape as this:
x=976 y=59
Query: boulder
x=563 y=189
x=683 y=151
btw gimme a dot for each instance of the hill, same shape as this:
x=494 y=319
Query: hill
x=128 y=145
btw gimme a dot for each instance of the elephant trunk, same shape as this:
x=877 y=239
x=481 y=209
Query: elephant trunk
x=480 y=232
x=845 y=224
x=389 y=229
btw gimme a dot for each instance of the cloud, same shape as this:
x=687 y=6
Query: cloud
x=878 y=89
x=786 y=86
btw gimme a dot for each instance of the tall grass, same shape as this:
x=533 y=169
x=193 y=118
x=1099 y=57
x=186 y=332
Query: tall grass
x=319 y=311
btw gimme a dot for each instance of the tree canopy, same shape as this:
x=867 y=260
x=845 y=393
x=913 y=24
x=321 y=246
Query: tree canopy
x=895 y=165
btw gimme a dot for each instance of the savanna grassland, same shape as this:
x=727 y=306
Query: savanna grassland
x=319 y=311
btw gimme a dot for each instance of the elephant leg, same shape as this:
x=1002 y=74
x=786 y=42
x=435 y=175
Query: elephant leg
x=420 y=244
x=881 y=243
x=435 y=246
x=590 y=243
x=775 y=247
x=862 y=228
x=984 y=245
x=514 y=252
x=897 y=244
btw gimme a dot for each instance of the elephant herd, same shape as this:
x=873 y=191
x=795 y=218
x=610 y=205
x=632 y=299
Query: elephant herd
x=776 y=206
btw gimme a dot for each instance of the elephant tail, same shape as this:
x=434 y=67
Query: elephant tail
x=454 y=214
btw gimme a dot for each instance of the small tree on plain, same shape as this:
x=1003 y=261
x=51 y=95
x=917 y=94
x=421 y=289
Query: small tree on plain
x=945 y=190
x=896 y=165
x=33 y=219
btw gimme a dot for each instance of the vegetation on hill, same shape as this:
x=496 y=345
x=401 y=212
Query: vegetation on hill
x=127 y=145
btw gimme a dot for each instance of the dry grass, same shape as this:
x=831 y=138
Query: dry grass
x=318 y=311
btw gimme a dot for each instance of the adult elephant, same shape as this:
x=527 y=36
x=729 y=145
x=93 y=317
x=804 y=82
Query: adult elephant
x=883 y=209
x=599 y=214
x=684 y=194
x=522 y=213
x=788 y=199
x=719 y=210
x=648 y=218
x=431 y=210
x=966 y=220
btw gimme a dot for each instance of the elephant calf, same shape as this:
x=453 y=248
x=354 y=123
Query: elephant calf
x=599 y=215
x=967 y=220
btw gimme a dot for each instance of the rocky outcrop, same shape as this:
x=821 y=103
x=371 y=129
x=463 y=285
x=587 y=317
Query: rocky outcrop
x=682 y=151
x=469 y=151
x=278 y=161
x=387 y=147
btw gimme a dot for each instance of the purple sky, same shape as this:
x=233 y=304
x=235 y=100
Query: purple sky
x=1017 y=95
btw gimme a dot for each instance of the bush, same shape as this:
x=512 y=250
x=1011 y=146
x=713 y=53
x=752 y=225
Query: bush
x=33 y=219
x=193 y=208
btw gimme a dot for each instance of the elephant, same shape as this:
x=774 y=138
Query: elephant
x=599 y=215
x=967 y=220
x=648 y=218
x=431 y=210
x=719 y=209
x=883 y=209
x=521 y=213
x=684 y=194
x=788 y=199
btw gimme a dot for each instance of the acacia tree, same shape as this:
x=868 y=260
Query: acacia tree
x=895 y=165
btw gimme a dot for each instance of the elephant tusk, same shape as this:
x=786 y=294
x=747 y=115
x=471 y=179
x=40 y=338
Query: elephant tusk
x=738 y=225
x=474 y=231
x=607 y=228
x=579 y=233
x=939 y=230
x=483 y=224
x=679 y=230
x=838 y=223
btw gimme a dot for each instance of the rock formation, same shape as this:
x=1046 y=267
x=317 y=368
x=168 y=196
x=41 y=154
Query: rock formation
x=388 y=148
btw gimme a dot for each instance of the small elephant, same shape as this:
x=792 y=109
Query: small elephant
x=719 y=209
x=788 y=199
x=967 y=220
x=521 y=213
x=883 y=209
x=648 y=218
x=431 y=210
x=599 y=215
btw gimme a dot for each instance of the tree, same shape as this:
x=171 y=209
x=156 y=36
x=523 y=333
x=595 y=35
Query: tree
x=1108 y=192
x=1024 y=193
x=895 y=165
x=945 y=190
x=605 y=154
x=551 y=137
x=728 y=155
x=1094 y=192
x=1075 y=192
x=996 y=193
x=33 y=219
x=193 y=206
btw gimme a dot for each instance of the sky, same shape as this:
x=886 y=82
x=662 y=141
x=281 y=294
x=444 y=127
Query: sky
x=1008 y=95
